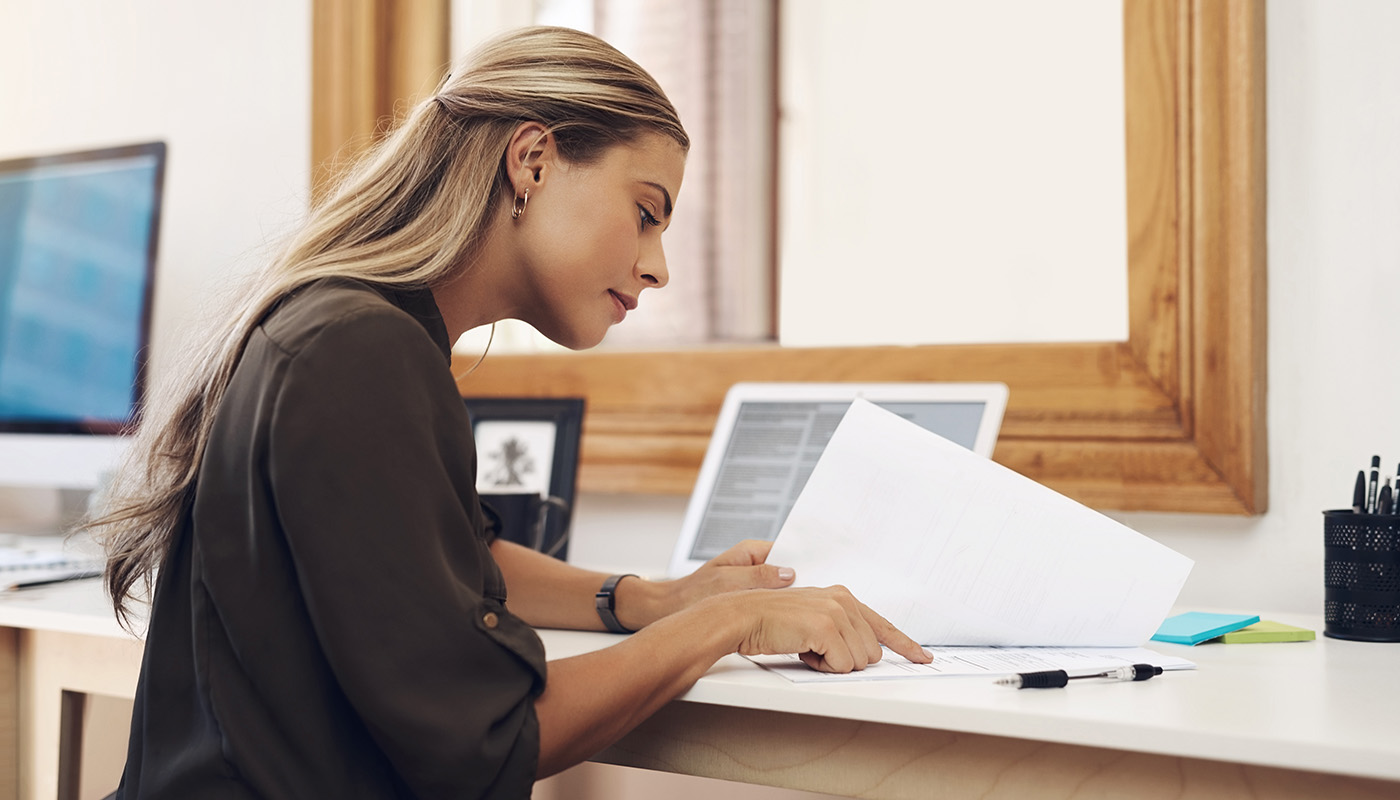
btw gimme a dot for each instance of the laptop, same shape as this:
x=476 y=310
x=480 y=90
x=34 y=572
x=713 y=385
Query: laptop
x=769 y=436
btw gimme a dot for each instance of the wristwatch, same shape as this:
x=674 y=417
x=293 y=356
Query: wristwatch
x=605 y=600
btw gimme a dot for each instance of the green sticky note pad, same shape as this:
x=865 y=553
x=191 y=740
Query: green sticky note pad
x=1268 y=631
x=1195 y=627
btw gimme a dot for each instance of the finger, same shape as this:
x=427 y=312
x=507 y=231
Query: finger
x=761 y=576
x=894 y=638
x=863 y=635
x=768 y=576
x=868 y=639
x=746 y=553
x=835 y=657
x=755 y=551
x=854 y=637
x=832 y=644
x=863 y=641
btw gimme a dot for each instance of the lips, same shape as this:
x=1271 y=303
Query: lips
x=628 y=303
x=622 y=304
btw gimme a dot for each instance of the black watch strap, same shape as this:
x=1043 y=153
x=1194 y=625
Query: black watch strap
x=605 y=600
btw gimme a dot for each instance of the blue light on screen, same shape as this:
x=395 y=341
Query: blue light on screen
x=74 y=244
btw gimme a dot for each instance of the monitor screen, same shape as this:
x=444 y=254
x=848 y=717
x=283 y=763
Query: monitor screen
x=78 y=235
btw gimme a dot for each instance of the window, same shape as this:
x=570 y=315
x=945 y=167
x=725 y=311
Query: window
x=715 y=59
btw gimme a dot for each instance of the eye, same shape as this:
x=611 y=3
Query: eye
x=647 y=218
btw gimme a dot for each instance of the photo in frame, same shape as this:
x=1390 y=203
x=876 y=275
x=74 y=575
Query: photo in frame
x=527 y=452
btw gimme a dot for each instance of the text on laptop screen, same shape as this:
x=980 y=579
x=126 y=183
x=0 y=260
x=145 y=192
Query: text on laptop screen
x=772 y=451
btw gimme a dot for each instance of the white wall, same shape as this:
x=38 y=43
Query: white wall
x=226 y=85
x=1334 y=342
x=957 y=177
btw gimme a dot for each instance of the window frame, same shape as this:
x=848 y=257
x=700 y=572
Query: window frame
x=1173 y=419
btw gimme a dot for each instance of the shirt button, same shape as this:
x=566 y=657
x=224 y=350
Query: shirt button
x=490 y=620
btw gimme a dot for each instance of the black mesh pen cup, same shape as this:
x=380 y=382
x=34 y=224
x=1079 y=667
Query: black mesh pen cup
x=1362 y=576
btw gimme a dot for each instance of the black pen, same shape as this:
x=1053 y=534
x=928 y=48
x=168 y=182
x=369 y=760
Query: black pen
x=1358 y=495
x=74 y=576
x=1055 y=678
x=1386 y=504
x=1374 y=485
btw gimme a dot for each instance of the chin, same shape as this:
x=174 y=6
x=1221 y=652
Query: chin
x=577 y=340
x=586 y=345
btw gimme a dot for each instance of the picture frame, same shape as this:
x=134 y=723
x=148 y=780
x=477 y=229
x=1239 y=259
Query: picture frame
x=527 y=465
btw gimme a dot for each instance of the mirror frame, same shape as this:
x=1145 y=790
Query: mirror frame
x=1173 y=419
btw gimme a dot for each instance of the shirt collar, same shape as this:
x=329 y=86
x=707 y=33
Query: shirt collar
x=419 y=304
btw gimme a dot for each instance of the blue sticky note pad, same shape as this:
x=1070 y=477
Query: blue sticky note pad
x=1195 y=627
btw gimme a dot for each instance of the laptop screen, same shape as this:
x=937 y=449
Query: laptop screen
x=772 y=451
x=765 y=448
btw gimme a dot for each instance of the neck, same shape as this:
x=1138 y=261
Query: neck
x=476 y=294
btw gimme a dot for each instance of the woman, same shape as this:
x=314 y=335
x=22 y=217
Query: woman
x=330 y=618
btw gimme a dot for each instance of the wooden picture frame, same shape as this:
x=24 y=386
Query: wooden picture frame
x=528 y=447
x=1173 y=419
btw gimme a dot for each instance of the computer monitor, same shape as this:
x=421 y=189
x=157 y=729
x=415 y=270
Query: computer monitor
x=78 y=235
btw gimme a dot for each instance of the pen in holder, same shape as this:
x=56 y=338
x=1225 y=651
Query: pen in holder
x=1362 y=576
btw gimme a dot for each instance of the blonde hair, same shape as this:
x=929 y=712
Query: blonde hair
x=412 y=212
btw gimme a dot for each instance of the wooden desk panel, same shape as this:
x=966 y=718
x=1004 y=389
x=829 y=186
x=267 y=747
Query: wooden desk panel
x=892 y=762
x=9 y=714
x=51 y=663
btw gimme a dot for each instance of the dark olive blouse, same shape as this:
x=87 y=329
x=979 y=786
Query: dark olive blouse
x=329 y=622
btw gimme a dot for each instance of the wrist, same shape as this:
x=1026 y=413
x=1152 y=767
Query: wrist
x=640 y=602
x=605 y=603
x=727 y=618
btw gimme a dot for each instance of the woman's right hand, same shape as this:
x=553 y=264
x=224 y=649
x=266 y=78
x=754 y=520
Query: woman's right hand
x=829 y=629
x=586 y=705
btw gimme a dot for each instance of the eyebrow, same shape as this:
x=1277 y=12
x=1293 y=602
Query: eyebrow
x=664 y=194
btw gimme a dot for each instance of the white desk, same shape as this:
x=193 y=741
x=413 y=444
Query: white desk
x=1306 y=720
x=1311 y=719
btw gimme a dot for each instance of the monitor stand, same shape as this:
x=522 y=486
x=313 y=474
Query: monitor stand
x=41 y=512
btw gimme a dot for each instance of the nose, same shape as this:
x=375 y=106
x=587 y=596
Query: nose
x=651 y=266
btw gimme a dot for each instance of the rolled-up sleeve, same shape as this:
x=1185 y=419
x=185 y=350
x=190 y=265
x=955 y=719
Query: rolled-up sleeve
x=371 y=466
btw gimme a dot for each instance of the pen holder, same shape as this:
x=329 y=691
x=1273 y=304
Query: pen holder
x=1362 y=576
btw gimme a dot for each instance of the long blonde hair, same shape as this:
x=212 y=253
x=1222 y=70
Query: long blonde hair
x=414 y=209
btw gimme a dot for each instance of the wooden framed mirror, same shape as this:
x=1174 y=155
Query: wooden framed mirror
x=1173 y=419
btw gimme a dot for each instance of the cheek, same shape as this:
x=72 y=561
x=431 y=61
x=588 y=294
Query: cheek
x=604 y=245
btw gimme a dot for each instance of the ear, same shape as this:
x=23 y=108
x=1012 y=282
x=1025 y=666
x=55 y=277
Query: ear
x=530 y=156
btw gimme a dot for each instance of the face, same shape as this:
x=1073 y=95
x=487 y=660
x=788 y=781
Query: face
x=589 y=241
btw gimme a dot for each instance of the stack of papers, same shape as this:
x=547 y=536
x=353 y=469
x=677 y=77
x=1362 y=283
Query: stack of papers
x=957 y=550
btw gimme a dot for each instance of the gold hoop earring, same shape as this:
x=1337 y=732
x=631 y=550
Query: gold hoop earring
x=519 y=207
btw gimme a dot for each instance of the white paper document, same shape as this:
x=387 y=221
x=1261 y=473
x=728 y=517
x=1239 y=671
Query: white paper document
x=955 y=549
x=989 y=661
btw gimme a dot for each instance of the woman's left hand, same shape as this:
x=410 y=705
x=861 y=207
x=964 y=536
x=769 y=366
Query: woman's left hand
x=740 y=567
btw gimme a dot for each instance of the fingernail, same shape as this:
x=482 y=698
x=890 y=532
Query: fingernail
x=785 y=573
